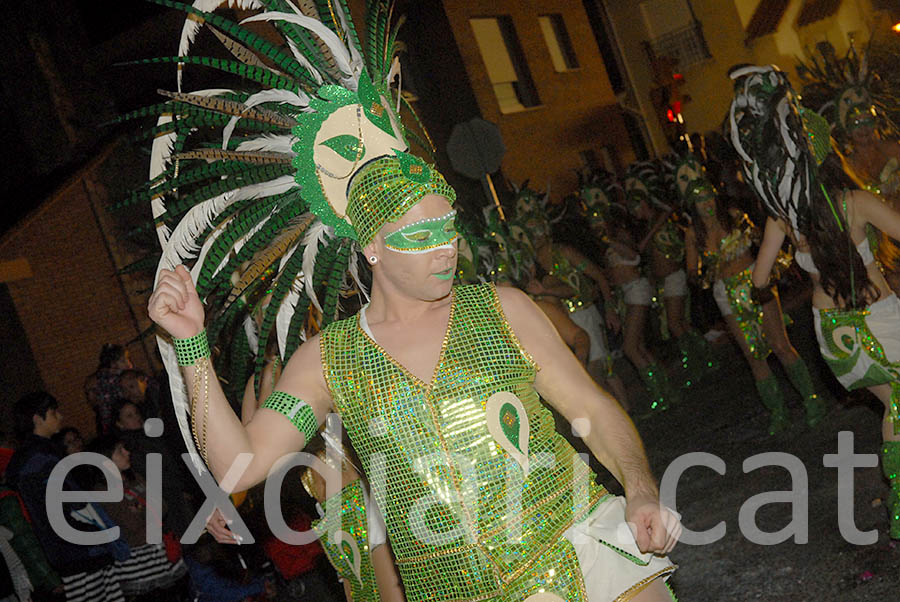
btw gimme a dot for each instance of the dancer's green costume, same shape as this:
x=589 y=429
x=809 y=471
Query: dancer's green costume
x=734 y=295
x=346 y=543
x=573 y=276
x=482 y=431
x=270 y=223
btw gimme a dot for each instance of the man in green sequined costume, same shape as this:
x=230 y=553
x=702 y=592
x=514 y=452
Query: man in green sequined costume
x=439 y=389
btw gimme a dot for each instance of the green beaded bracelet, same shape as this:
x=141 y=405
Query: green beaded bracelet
x=188 y=351
x=296 y=410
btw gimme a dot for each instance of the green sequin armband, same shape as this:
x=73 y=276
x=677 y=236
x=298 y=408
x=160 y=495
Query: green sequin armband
x=296 y=410
x=188 y=351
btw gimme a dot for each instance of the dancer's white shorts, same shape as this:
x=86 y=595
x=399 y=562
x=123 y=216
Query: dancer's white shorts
x=675 y=284
x=611 y=563
x=591 y=321
x=637 y=292
x=862 y=348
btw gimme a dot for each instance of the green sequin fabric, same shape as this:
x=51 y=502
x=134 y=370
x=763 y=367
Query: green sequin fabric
x=385 y=189
x=747 y=312
x=733 y=245
x=296 y=410
x=346 y=542
x=475 y=483
x=855 y=355
x=574 y=277
x=669 y=241
x=189 y=350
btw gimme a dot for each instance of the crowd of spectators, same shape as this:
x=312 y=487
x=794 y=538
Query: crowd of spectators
x=99 y=546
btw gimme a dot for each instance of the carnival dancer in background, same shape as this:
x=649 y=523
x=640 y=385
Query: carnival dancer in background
x=721 y=243
x=432 y=381
x=666 y=254
x=356 y=545
x=572 y=280
x=629 y=233
x=857 y=316
x=857 y=104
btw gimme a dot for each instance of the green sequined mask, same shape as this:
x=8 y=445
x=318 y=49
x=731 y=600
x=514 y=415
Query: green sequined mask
x=385 y=189
x=424 y=235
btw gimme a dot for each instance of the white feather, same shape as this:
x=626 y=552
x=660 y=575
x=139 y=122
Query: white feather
x=182 y=244
x=192 y=24
x=354 y=270
x=297 y=99
x=356 y=59
x=288 y=306
x=252 y=334
x=161 y=149
x=272 y=143
x=239 y=194
x=301 y=58
x=317 y=233
x=341 y=54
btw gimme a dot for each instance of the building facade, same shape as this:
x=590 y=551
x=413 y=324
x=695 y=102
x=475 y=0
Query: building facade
x=684 y=48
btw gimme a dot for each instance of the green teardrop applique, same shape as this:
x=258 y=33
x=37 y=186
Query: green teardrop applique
x=508 y=424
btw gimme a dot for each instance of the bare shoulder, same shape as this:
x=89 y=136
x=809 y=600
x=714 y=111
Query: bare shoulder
x=525 y=318
x=514 y=302
x=303 y=372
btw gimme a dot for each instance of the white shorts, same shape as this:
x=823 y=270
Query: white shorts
x=612 y=565
x=637 y=292
x=862 y=348
x=591 y=321
x=675 y=284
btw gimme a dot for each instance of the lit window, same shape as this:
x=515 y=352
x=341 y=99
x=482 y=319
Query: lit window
x=558 y=43
x=505 y=63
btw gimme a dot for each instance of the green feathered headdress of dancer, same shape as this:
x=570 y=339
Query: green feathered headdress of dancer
x=268 y=192
x=847 y=91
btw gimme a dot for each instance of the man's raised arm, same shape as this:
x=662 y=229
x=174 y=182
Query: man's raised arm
x=281 y=426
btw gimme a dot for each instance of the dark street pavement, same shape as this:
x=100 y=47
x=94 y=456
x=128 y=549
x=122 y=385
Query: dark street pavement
x=723 y=416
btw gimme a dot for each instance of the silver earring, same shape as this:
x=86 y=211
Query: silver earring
x=373 y=260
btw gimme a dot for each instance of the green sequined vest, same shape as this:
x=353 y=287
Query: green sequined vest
x=447 y=461
x=346 y=543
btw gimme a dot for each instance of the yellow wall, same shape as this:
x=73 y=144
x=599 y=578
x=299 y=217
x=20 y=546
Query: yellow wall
x=628 y=27
x=577 y=110
x=723 y=26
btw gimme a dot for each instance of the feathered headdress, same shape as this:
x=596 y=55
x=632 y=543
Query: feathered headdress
x=768 y=133
x=643 y=182
x=846 y=91
x=269 y=192
x=598 y=192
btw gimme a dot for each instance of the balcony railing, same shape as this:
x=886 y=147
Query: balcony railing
x=686 y=46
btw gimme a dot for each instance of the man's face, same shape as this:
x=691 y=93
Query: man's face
x=135 y=388
x=50 y=423
x=420 y=274
x=130 y=418
x=121 y=457
x=73 y=442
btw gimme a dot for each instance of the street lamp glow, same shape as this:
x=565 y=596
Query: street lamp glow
x=896 y=27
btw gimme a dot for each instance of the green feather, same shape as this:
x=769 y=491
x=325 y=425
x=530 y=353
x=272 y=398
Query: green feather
x=280 y=290
x=336 y=277
x=252 y=175
x=259 y=75
x=254 y=244
x=298 y=323
x=285 y=61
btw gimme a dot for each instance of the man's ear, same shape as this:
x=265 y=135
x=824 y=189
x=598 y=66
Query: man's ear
x=371 y=250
